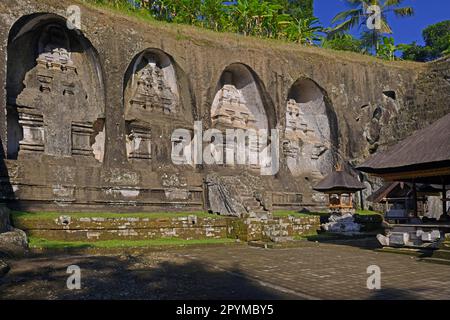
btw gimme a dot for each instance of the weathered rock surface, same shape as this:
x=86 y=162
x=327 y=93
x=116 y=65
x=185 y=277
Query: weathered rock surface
x=222 y=198
x=342 y=223
x=4 y=268
x=13 y=243
x=5 y=224
x=131 y=86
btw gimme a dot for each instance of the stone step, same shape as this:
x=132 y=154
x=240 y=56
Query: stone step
x=281 y=239
x=251 y=203
x=441 y=254
x=437 y=260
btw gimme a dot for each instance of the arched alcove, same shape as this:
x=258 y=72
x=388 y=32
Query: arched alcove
x=156 y=93
x=241 y=102
x=310 y=143
x=238 y=102
x=55 y=92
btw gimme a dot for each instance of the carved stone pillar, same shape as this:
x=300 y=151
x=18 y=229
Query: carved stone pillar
x=81 y=139
x=139 y=143
x=33 y=132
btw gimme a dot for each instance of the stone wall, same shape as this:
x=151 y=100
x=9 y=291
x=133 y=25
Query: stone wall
x=86 y=117
x=78 y=228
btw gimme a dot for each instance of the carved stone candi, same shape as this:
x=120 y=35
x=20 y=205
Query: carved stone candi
x=152 y=91
x=54 y=111
x=307 y=144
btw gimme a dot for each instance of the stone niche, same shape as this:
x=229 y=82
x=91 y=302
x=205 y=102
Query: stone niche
x=309 y=137
x=238 y=105
x=151 y=99
x=55 y=99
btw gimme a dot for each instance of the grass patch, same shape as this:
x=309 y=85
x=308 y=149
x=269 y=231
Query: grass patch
x=287 y=213
x=21 y=215
x=39 y=243
x=367 y=212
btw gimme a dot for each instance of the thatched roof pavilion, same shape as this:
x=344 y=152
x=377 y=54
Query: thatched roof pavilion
x=423 y=157
x=337 y=184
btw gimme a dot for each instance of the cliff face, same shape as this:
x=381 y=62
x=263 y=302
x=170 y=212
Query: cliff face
x=367 y=104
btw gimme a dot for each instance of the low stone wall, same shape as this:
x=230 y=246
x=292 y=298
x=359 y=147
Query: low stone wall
x=273 y=229
x=443 y=253
x=72 y=228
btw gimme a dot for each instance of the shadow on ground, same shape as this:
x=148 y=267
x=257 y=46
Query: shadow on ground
x=128 y=278
x=368 y=242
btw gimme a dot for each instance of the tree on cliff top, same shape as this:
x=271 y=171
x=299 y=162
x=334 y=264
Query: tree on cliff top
x=437 y=44
x=358 y=16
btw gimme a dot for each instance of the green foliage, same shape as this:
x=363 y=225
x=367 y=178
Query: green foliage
x=416 y=52
x=357 y=16
x=291 y=20
x=437 y=44
x=343 y=42
x=111 y=244
x=287 y=213
x=387 y=48
x=437 y=36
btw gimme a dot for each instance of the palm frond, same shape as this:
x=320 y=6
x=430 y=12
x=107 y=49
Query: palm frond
x=346 y=14
x=348 y=24
x=404 y=12
x=385 y=28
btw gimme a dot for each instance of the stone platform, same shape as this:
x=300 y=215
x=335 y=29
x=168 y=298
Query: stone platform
x=92 y=227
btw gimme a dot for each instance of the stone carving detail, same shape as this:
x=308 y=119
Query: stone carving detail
x=306 y=138
x=152 y=90
x=230 y=110
x=33 y=132
x=53 y=108
x=139 y=143
x=81 y=135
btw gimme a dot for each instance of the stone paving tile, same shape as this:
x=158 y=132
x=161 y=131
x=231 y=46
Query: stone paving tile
x=313 y=271
x=334 y=272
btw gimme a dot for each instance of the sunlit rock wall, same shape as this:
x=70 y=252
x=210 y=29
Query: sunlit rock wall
x=87 y=115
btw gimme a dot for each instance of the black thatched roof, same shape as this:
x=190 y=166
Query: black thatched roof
x=339 y=181
x=428 y=148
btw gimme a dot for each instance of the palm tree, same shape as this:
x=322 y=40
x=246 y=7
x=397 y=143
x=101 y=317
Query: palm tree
x=358 y=16
x=303 y=31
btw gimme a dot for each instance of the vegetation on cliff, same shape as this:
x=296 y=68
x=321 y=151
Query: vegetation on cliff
x=294 y=21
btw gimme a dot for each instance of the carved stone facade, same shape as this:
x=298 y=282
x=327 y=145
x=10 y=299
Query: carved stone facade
x=117 y=95
x=308 y=142
x=151 y=94
x=230 y=110
x=54 y=113
x=152 y=91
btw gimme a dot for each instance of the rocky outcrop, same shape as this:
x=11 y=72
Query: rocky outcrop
x=222 y=197
x=13 y=243
x=342 y=223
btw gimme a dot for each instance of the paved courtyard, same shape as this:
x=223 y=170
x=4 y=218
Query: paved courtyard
x=313 y=271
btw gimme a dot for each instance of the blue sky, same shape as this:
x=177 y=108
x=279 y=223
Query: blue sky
x=405 y=30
